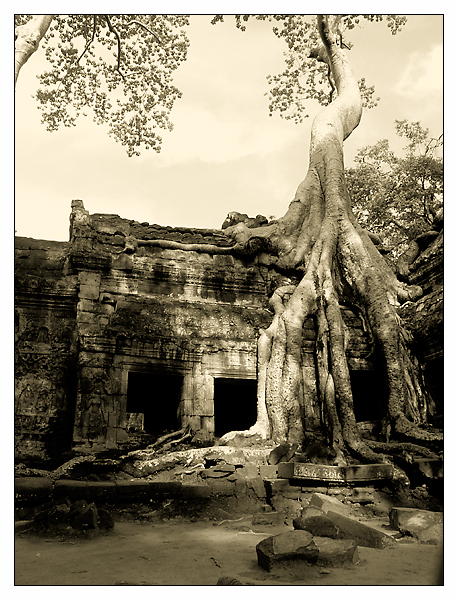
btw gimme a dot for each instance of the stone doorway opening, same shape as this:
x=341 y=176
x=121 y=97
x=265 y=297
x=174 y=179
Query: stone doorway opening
x=370 y=395
x=234 y=404
x=155 y=395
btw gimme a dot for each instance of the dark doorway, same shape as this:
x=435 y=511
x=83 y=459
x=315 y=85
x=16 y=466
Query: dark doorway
x=234 y=404
x=370 y=395
x=156 y=395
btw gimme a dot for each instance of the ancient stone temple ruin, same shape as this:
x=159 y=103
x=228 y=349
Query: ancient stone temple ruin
x=133 y=327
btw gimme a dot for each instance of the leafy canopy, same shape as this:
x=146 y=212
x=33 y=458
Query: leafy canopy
x=395 y=197
x=119 y=67
x=303 y=77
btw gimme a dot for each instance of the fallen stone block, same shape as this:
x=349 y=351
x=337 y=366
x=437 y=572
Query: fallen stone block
x=424 y=525
x=312 y=511
x=362 y=534
x=320 y=526
x=295 y=551
x=334 y=553
x=287 y=551
x=327 y=503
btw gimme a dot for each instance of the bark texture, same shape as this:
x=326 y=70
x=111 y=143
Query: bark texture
x=28 y=38
x=338 y=263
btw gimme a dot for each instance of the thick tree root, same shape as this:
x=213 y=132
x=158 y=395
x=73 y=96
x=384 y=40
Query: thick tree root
x=396 y=447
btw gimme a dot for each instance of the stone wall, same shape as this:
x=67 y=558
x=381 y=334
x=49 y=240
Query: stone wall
x=129 y=317
x=45 y=347
x=425 y=317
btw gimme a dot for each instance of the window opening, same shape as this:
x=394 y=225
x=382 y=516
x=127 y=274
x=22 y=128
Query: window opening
x=156 y=396
x=235 y=405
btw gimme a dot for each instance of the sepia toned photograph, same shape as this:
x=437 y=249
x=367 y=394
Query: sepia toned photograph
x=228 y=300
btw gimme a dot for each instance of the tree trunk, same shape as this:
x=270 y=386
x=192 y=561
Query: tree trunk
x=320 y=238
x=28 y=38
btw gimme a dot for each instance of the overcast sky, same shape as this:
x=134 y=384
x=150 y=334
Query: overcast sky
x=225 y=153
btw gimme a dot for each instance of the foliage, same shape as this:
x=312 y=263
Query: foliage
x=117 y=66
x=397 y=197
x=304 y=78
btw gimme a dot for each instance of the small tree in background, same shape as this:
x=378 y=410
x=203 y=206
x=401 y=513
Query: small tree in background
x=397 y=198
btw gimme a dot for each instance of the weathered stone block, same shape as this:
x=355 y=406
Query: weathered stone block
x=362 y=534
x=213 y=473
x=101 y=490
x=70 y=488
x=373 y=472
x=32 y=489
x=329 y=503
x=312 y=511
x=257 y=485
x=89 y=292
x=248 y=471
x=362 y=495
x=132 y=490
x=335 y=552
x=221 y=487
x=268 y=471
x=280 y=486
x=164 y=489
x=292 y=508
x=89 y=278
x=311 y=471
x=291 y=551
x=321 y=526
x=424 y=525
x=224 y=467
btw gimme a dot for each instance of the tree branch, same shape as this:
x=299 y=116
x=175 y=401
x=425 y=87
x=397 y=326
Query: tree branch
x=134 y=22
x=118 y=39
x=86 y=48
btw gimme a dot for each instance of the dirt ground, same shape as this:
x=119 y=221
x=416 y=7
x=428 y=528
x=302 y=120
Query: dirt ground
x=199 y=553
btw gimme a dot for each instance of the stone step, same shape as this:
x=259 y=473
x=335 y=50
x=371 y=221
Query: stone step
x=335 y=474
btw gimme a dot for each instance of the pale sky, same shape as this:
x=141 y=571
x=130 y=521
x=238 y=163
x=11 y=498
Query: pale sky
x=225 y=153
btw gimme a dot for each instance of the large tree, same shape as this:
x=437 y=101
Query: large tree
x=323 y=257
x=328 y=260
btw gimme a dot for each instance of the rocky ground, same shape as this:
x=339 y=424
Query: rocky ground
x=199 y=516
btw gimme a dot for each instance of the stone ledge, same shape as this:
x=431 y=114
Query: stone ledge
x=334 y=474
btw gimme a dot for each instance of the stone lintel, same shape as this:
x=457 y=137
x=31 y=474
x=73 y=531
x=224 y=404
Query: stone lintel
x=335 y=474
